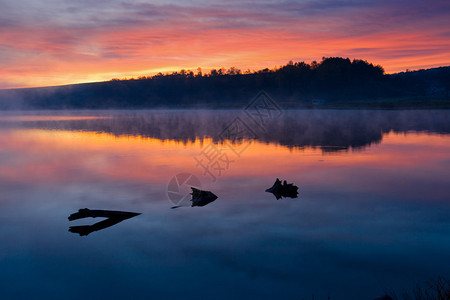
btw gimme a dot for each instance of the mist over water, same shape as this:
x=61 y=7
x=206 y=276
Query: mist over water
x=372 y=214
x=333 y=129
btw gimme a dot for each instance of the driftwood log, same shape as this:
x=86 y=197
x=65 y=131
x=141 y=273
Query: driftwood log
x=113 y=217
x=284 y=189
x=201 y=198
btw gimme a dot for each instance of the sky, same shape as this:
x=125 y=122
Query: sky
x=56 y=42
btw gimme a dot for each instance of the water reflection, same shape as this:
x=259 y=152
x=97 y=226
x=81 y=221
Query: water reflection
x=372 y=218
x=329 y=130
x=113 y=217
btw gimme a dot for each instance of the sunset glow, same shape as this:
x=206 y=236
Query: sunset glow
x=100 y=155
x=61 y=42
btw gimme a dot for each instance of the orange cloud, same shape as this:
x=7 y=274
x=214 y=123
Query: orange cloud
x=95 y=44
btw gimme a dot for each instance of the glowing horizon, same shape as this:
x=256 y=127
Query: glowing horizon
x=60 y=42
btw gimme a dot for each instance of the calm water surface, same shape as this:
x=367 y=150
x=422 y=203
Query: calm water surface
x=373 y=212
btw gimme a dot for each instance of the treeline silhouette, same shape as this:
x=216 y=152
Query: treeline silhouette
x=332 y=81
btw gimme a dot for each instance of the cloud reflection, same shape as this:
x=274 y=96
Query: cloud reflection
x=376 y=215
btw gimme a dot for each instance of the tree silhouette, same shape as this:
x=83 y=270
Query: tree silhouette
x=332 y=80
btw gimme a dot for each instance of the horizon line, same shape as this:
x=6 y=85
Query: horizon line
x=173 y=71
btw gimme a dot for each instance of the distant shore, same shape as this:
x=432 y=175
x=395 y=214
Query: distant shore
x=419 y=102
x=332 y=83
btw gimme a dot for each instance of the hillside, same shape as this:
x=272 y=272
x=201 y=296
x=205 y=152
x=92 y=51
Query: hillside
x=333 y=82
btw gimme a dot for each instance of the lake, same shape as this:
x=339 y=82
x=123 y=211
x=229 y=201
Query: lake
x=372 y=214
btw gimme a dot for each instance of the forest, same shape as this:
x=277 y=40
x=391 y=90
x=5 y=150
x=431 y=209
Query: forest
x=332 y=82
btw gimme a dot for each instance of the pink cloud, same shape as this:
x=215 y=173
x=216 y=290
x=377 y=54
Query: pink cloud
x=138 y=39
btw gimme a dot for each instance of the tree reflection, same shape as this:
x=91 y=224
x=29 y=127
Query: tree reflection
x=329 y=130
